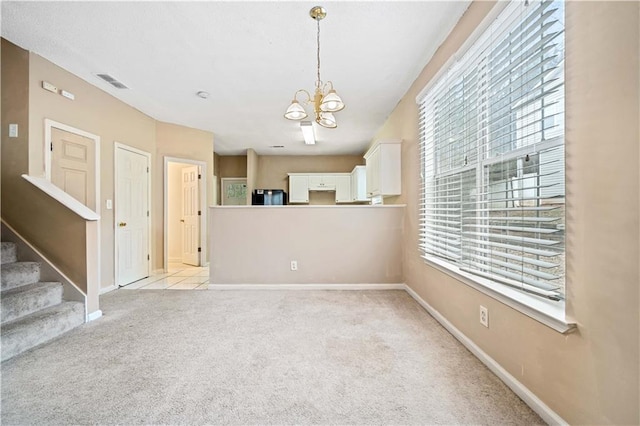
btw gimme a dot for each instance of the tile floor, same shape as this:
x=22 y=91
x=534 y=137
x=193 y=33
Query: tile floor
x=178 y=277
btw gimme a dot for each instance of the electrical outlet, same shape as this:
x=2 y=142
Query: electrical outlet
x=484 y=316
x=294 y=265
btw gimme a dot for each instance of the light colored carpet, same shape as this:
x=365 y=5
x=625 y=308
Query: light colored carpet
x=257 y=357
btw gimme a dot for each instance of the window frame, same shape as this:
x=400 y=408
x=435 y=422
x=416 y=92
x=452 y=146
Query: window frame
x=549 y=312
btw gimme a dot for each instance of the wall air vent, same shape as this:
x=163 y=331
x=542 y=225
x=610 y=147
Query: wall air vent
x=276 y=146
x=112 y=81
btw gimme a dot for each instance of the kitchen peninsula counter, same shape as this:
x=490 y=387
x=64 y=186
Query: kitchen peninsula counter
x=332 y=244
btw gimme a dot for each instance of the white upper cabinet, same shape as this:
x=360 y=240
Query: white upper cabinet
x=383 y=168
x=359 y=184
x=322 y=183
x=343 y=188
x=298 y=189
x=301 y=184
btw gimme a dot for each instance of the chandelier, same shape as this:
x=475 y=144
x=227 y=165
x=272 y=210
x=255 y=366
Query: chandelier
x=325 y=99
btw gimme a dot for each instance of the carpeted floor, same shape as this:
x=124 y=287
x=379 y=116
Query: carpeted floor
x=257 y=357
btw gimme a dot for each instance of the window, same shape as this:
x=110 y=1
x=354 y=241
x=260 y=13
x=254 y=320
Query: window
x=492 y=151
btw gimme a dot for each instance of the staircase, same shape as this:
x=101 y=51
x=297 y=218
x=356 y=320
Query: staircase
x=31 y=312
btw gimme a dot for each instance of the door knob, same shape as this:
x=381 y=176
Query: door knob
x=121 y=224
x=182 y=220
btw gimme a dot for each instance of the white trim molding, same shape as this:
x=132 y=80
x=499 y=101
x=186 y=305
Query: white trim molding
x=390 y=286
x=547 y=312
x=94 y=315
x=202 y=203
x=536 y=404
x=108 y=289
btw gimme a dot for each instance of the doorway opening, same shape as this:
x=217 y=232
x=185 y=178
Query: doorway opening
x=185 y=223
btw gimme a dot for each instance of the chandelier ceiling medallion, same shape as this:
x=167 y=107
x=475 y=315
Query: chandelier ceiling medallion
x=325 y=100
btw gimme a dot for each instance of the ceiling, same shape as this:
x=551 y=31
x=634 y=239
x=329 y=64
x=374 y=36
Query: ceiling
x=250 y=56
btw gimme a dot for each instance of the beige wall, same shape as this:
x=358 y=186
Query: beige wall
x=181 y=142
x=332 y=245
x=231 y=166
x=270 y=171
x=252 y=173
x=28 y=210
x=93 y=111
x=273 y=169
x=590 y=376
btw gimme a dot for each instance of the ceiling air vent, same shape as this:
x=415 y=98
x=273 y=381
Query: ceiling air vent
x=112 y=81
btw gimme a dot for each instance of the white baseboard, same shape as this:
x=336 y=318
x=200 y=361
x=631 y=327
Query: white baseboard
x=174 y=260
x=306 y=286
x=536 y=404
x=94 y=315
x=108 y=289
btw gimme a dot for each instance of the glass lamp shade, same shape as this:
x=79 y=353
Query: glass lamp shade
x=331 y=102
x=295 y=111
x=326 y=119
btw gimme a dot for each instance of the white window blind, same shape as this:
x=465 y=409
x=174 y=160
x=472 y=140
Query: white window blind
x=492 y=151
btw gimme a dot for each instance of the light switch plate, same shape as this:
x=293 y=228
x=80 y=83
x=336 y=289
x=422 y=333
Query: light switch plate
x=67 y=95
x=13 y=130
x=109 y=204
x=50 y=87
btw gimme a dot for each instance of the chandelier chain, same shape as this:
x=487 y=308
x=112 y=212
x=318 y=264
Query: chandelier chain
x=325 y=100
x=319 y=82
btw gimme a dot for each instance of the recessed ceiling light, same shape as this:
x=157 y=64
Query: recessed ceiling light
x=276 y=146
x=203 y=94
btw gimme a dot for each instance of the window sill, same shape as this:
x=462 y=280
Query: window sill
x=547 y=312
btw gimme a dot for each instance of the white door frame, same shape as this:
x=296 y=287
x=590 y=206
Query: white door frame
x=48 y=125
x=116 y=146
x=202 y=203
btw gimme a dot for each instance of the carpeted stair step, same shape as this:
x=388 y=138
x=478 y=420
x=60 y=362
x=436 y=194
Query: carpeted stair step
x=27 y=299
x=40 y=327
x=19 y=273
x=9 y=253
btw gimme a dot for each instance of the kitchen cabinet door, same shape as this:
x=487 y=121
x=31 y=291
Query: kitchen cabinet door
x=359 y=184
x=383 y=169
x=343 y=188
x=322 y=183
x=298 y=189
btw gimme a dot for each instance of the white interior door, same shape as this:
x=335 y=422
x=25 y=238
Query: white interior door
x=73 y=165
x=191 y=215
x=132 y=215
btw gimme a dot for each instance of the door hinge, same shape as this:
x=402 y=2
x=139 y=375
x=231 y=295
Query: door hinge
x=199 y=176
x=147 y=169
x=147 y=213
x=199 y=213
x=51 y=146
x=199 y=249
x=148 y=258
